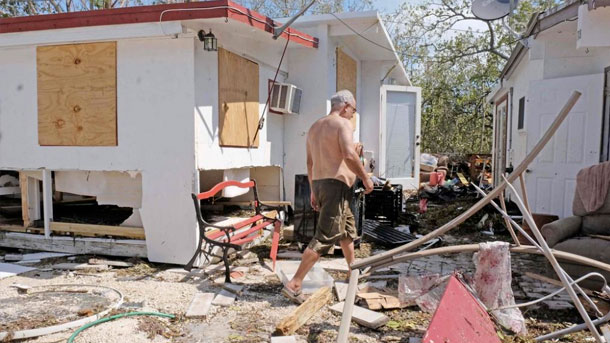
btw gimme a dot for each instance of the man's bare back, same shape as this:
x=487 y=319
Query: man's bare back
x=324 y=142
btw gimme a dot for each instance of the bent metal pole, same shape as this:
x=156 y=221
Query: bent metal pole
x=387 y=256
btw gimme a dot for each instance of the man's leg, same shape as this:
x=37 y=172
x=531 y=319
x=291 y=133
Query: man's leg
x=347 y=246
x=309 y=258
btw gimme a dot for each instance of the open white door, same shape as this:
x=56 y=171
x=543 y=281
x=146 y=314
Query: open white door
x=399 y=136
x=551 y=177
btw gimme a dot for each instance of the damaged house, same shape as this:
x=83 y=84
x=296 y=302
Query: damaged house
x=129 y=107
x=567 y=48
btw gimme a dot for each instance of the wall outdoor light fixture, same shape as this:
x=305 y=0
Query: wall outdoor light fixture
x=210 y=43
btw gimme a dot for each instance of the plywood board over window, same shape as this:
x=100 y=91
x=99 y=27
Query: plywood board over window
x=347 y=75
x=238 y=102
x=77 y=94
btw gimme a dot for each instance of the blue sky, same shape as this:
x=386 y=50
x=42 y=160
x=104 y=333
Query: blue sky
x=386 y=6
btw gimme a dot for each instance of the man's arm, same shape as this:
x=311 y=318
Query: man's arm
x=310 y=175
x=351 y=158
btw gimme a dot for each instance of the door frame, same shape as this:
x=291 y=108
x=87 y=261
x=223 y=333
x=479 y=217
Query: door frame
x=498 y=171
x=407 y=183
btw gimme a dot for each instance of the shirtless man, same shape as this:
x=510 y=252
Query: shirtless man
x=332 y=167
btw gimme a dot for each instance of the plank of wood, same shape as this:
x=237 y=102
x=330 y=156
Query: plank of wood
x=301 y=314
x=77 y=94
x=238 y=100
x=78 y=266
x=110 y=263
x=98 y=230
x=25 y=204
x=101 y=246
x=391 y=256
x=347 y=76
x=362 y=316
x=200 y=305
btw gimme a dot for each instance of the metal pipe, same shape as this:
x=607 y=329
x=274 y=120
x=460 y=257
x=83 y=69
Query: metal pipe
x=277 y=31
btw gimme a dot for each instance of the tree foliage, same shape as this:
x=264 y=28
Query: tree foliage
x=271 y=8
x=456 y=68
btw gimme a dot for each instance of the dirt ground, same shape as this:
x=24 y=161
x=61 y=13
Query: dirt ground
x=255 y=314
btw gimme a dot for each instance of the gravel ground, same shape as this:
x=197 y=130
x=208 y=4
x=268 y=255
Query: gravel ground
x=252 y=318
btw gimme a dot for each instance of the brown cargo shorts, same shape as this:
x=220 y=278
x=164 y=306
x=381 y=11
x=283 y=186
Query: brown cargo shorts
x=335 y=218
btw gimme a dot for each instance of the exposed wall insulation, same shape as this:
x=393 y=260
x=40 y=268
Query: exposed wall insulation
x=347 y=75
x=238 y=100
x=110 y=188
x=77 y=94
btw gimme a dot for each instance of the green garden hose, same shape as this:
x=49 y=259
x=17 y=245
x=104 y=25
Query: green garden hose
x=107 y=319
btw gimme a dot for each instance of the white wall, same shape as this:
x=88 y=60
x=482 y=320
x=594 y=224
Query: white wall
x=372 y=74
x=552 y=55
x=210 y=155
x=594 y=26
x=155 y=134
x=312 y=70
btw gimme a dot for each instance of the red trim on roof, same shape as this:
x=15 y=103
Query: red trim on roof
x=147 y=14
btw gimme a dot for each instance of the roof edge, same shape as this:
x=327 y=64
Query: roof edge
x=153 y=13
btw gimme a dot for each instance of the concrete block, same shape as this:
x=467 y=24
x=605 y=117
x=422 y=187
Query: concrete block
x=224 y=298
x=283 y=339
x=200 y=305
x=362 y=316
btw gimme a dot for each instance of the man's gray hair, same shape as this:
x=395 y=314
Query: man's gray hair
x=341 y=97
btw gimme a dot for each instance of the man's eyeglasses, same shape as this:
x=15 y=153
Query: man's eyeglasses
x=352 y=106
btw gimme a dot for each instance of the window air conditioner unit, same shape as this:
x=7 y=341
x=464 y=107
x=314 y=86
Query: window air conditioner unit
x=285 y=98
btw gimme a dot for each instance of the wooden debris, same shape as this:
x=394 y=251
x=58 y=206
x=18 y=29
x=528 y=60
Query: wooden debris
x=288 y=233
x=289 y=255
x=392 y=256
x=200 y=305
x=380 y=300
x=362 y=316
x=224 y=298
x=372 y=286
x=340 y=290
x=247 y=261
x=336 y=265
x=110 y=263
x=21 y=289
x=302 y=313
x=78 y=266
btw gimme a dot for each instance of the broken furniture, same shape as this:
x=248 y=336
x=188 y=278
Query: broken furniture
x=384 y=204
x=385 y=234
x=234 y=236
x=587 y=233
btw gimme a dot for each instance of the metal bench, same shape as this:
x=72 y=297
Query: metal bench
x=236 y=235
